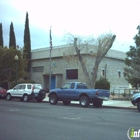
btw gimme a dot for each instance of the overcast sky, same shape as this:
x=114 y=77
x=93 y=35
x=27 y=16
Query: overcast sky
x=79 y=17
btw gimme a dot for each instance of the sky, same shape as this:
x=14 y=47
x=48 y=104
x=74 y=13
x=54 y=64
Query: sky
x=78 y=17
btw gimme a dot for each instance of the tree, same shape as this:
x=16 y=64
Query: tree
x=12 y=39
x=27 y=45
x=8 y=65
x=102 y=45
x=1 y=35
x=132 y=71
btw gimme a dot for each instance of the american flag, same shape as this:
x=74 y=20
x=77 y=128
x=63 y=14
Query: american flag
x=50 y=40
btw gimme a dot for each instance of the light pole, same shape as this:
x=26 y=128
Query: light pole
x=16 y=59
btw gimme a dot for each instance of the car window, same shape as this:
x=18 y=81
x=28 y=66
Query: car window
x=17 y=87
x=72 y=85
x=65 y=86
x=29 y=86
x=22 y=86
x=81 y=86
x=37 y=86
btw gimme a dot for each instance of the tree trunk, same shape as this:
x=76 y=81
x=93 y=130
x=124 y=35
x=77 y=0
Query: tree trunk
x=88 y=81
x=94 y=74
x=98 y=60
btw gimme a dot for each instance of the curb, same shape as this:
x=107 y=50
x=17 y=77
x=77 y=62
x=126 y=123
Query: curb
x=119 y=107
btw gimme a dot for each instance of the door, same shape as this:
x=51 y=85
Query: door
x=64 y=91
x=53 y=81
x=16 y=91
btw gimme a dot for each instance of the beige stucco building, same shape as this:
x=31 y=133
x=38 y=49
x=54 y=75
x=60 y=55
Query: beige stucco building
x=65 y=66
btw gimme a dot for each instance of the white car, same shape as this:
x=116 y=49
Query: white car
x=26 y=92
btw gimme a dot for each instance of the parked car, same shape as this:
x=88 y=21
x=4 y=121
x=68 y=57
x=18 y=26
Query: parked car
x=135 y=100
x=2 y=92
x=26 y=92
x=78 y=91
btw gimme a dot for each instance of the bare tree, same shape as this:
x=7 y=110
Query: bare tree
x=104 y=43
x=101 y=46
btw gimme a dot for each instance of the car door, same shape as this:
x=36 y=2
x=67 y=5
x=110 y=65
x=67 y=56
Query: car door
x=29 y=88
x=16 y=91
x=64 y=91
x=72 y=92
x=22 y=90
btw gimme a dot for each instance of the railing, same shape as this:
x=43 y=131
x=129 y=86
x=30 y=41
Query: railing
x=123 y=93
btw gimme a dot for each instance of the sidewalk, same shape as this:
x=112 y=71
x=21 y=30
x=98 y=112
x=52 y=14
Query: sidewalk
x=124 y=104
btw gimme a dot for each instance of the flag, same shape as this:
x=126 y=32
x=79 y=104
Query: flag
x=50 y=40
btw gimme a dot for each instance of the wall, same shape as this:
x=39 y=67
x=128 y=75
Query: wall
x=114 y=61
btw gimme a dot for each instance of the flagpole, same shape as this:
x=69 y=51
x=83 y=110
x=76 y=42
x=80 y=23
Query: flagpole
x=50 y=58
x=50 y=70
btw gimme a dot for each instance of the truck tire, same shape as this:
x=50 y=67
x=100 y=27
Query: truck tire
x=53 y=99
x=66 y=102
x=84 y=101
x=138 y=106
x=97 y=103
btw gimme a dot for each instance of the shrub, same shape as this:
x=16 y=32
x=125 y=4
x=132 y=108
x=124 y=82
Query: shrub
x=102 y=84
x=4 y=84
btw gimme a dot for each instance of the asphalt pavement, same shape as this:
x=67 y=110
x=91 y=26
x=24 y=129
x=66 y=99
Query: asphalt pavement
x=111 y=103
x=42 y=121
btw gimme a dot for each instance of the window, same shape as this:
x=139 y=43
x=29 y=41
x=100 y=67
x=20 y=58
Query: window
x=22 y=87
x=38 y=69
x=37 y=86
x=103 y=72
x=81 y=86
x=72 y=85
x=28 y=86
x=119 y=74
x=66 y=86
x=72 y=74
x=17 y=87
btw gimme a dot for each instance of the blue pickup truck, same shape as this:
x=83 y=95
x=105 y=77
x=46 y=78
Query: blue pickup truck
x=78 y=91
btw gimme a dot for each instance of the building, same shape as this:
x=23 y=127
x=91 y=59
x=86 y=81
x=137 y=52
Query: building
x=66 y=67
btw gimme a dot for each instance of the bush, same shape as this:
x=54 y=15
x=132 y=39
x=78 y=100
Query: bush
x=4 y=84
x=102 y=84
